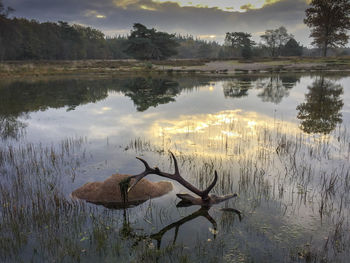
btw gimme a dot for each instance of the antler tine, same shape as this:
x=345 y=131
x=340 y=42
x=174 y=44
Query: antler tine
x=175 y=163
x=176 y=176
x=144 y=162
x=138 y=177
x=211 y=186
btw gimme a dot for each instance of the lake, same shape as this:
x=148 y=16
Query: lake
x=280 y=141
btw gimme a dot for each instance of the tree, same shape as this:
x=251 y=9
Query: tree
x=247 y=52
x=5 y=11
x=92 y=41
x=240 y=41
x=116 y=47
x=4 y=25
x=144 y=44
x=329 y=20
x=275 y=39
x=204 y=50
x=292 y=48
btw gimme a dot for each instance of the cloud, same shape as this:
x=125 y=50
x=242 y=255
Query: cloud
x=225 y=5
x=247 y=7
x=125 y=3
x=93 y=13
x=208 y=37
x=119 y=15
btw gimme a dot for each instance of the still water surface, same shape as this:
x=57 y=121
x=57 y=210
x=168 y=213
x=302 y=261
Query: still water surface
x=281 y=142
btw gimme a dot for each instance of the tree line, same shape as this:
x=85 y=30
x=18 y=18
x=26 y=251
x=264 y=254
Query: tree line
x=275 y=42
x=23 y=39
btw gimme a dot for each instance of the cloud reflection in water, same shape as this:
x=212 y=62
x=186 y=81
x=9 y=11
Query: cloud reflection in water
x=230 y=132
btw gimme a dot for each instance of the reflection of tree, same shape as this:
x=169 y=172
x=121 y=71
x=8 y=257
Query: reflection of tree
x=321 y=111
x=24 y=97
x=19 y=98
x=289 y=81
x=10 y=127
x=237 y=87
x=149 y=92
x=276 y=87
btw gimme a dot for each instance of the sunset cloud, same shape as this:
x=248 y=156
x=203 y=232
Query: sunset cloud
x=185 y=17
x=125 y=3
x=225 y=5
x=93 y=13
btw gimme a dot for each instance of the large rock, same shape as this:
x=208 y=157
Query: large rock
x=108 y=193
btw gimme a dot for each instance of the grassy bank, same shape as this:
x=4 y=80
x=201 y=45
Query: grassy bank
x=10 y=69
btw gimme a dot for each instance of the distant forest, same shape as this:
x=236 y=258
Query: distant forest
x=23 y=39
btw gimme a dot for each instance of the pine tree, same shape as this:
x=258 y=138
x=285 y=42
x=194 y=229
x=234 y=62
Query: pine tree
x=329 y=20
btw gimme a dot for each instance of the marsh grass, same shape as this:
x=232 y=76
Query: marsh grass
x=39 y=222
x=293 y=191
x=47 y=68
x=298 y=182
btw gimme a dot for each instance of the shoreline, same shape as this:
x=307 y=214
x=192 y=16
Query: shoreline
x=229 y=68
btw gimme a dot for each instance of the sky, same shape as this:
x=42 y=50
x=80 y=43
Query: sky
x=206 y=19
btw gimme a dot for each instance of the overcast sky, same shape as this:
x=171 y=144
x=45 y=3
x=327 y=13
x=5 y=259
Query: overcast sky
x=207 y=19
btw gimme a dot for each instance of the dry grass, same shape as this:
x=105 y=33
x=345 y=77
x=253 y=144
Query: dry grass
x=103 y=67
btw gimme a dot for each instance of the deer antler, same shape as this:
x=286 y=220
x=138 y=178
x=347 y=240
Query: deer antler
x=175 y=176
